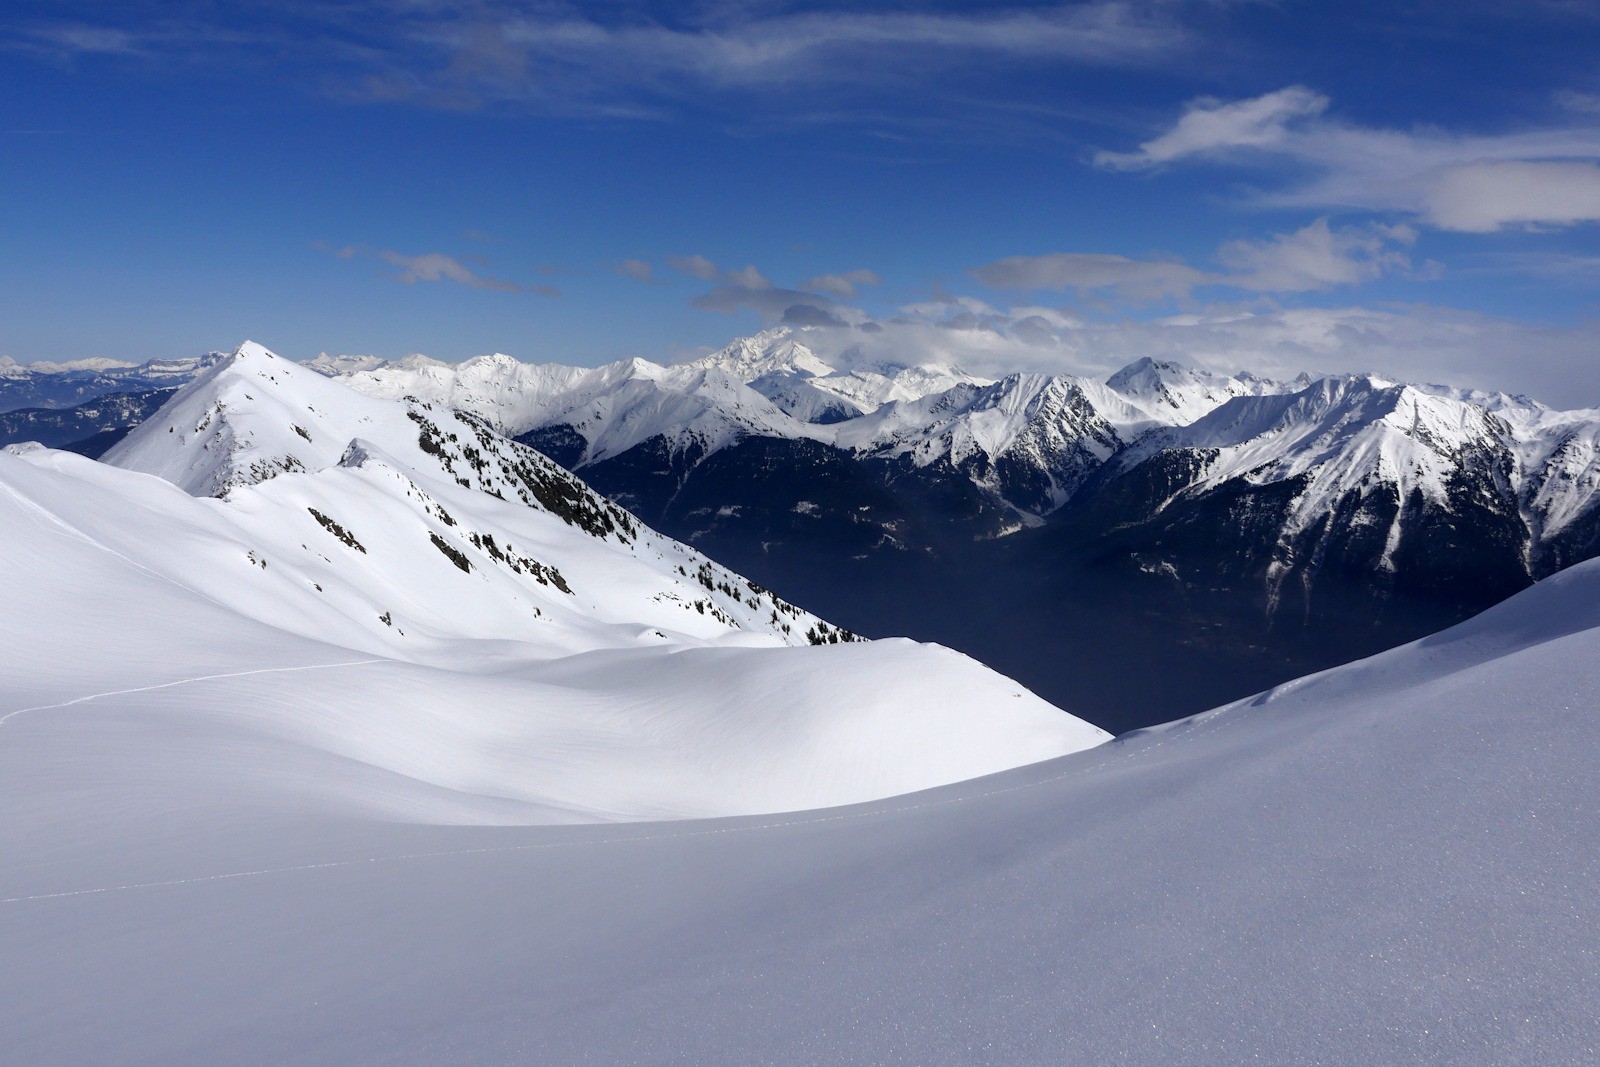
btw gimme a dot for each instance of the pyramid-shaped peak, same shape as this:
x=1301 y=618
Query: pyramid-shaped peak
x=418 y=361
x=332 y=364
x=252 y=416
x=253 y=350
x=770 y=351
x=1146 y=372
x=251 y=355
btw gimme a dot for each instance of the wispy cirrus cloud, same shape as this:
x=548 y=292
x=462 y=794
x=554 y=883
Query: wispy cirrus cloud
x=1316 y=257
x=843 y=285
x=438 y=267
x=623 y=62
x=1209 y=126
x=507 y=51
x=93 y=40
x=1564 y=268
x=1132 y=279
x=158 y=39
x=695 y=266
x=638 y=269
x=1476 y=183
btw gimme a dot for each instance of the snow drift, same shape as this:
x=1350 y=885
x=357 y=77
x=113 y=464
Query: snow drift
x=1388 y=862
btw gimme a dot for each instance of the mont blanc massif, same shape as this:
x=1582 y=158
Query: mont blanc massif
x=422 y=712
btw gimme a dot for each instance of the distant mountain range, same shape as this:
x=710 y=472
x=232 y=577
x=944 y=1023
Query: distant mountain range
x=65 y=385
x=1069 y=531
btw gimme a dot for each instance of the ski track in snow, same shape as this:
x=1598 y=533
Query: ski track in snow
x=1214 y=720
x=187 y=681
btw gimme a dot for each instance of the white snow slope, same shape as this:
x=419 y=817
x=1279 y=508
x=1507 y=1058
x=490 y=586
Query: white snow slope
x=404 y=615
x=1390 y=862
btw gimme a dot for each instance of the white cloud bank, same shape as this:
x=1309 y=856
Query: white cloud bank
x=1414 y=342
x=1452 y=181
x=1420 y=343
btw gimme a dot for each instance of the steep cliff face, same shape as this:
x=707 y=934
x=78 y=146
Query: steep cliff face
x=1347 y=488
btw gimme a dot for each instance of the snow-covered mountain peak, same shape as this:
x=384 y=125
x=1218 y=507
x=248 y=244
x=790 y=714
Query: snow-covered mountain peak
x=778 y=350
x=248 y=352
x=249 y=417
x=416 y=361
x=779 y=365
x=1030 y=438
x=1321 y=418
x=1348 y=444
x=335 y=365
x=1176 y=394
x=1144 y=374
x=638 y=367
x=260 y=428
x=1443 y=423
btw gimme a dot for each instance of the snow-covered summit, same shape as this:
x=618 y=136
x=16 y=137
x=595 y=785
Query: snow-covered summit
x=256 y=417
x=613 y=407
x=249 y=416
x=1177 y=395
x=777 y=364
x=776 y=351
x=1365 y=426
x=335 y=365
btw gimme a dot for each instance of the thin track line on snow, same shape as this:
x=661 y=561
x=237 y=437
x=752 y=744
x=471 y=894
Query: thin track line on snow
x=186 y=681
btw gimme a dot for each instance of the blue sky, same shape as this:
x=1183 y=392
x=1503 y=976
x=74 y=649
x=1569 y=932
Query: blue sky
x=1412 y=188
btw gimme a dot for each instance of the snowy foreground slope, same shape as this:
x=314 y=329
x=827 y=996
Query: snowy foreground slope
x=1393 y=861
x=332 y=602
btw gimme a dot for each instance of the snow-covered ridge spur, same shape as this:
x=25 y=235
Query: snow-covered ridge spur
x=255 y=416
x=463 y=628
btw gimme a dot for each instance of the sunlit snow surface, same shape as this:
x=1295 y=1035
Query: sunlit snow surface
x=1389 y=862
x=383 y=599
